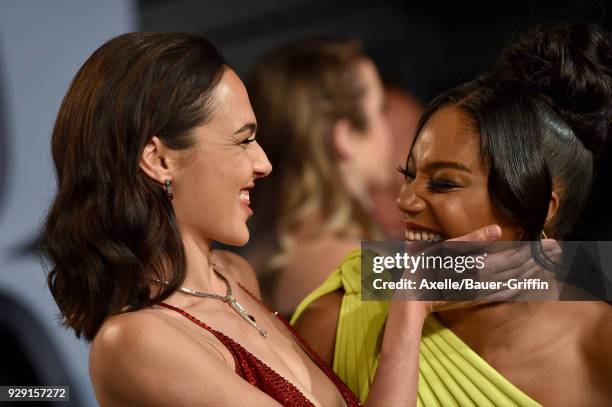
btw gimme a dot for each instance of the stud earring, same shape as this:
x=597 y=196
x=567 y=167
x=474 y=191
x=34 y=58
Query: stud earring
x=168 y=188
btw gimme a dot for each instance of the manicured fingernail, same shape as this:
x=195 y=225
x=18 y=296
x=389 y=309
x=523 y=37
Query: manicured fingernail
x=494 y=231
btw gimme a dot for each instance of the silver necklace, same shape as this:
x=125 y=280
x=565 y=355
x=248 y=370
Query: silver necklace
x=227 y=298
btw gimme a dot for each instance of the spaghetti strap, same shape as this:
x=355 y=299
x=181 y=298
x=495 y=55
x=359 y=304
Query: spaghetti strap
x=262 y=376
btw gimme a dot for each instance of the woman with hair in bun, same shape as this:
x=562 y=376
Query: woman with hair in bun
x=515 y=147
x=155 y=152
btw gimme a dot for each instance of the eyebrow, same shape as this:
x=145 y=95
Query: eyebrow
x=250 y=127
x=444 y=164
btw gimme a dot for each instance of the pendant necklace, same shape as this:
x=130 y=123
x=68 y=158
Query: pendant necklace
x=227 y=298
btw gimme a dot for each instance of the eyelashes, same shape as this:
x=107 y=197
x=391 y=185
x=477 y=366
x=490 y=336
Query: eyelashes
x=248 y=140
x=404 y=171
x=442 y=185
x=434 y=185
x=244 y=143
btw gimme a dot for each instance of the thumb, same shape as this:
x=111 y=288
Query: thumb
x=484 y=235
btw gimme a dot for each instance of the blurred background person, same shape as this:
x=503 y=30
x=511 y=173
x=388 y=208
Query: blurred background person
x=402 y=111
x=320 y=110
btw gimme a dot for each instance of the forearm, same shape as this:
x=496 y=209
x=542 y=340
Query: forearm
x=397 y=377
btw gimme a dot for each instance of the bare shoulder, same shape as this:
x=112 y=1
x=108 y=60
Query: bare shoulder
x=239 y=269
x=120 y=355
x=596 y=338
x=122 y=326
x=141 y=358
x=138 y=334
x=127 y=332
x=598 y=318
x=318 y=323
x=602 y=333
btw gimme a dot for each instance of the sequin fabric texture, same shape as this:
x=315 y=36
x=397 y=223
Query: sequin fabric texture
x=260 y=375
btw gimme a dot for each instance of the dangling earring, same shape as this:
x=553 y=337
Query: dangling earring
x=543 y=235
x=168 y=187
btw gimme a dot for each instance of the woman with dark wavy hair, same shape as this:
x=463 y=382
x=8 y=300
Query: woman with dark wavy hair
x=155 y=152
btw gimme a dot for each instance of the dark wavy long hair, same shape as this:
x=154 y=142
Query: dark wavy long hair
x=110 y=227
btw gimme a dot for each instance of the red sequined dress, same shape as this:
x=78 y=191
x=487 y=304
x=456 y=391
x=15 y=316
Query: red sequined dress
x=260 y=375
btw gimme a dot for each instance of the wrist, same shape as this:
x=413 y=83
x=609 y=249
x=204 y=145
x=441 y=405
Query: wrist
x=412 y=312
x=404 y=325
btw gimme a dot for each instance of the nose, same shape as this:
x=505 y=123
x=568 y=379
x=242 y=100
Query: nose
x=409 y=201
x=261 y=165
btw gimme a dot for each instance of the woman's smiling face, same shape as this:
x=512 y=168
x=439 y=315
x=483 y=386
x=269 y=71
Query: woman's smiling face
x=213 y=180
x=445 y=193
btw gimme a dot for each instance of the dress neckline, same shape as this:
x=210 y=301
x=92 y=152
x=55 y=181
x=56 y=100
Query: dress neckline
x=235 y=343
x=343 y=390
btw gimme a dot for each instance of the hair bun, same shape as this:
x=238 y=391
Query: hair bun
x=570 y=65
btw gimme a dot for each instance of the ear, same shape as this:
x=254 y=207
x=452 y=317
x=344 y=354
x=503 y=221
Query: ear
x=153 y=161
x=344 y=139
x=553 y=205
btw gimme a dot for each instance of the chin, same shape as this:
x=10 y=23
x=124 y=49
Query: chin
x=237 y=239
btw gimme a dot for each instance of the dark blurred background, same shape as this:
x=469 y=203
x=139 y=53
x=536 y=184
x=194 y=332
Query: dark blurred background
x=424 y=47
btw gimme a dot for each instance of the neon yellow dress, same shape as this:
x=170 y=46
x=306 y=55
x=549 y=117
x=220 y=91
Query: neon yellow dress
x=450 y=373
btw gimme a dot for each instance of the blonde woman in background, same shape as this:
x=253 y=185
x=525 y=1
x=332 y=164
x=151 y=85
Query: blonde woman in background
x=403 y=113
x=320 y=106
